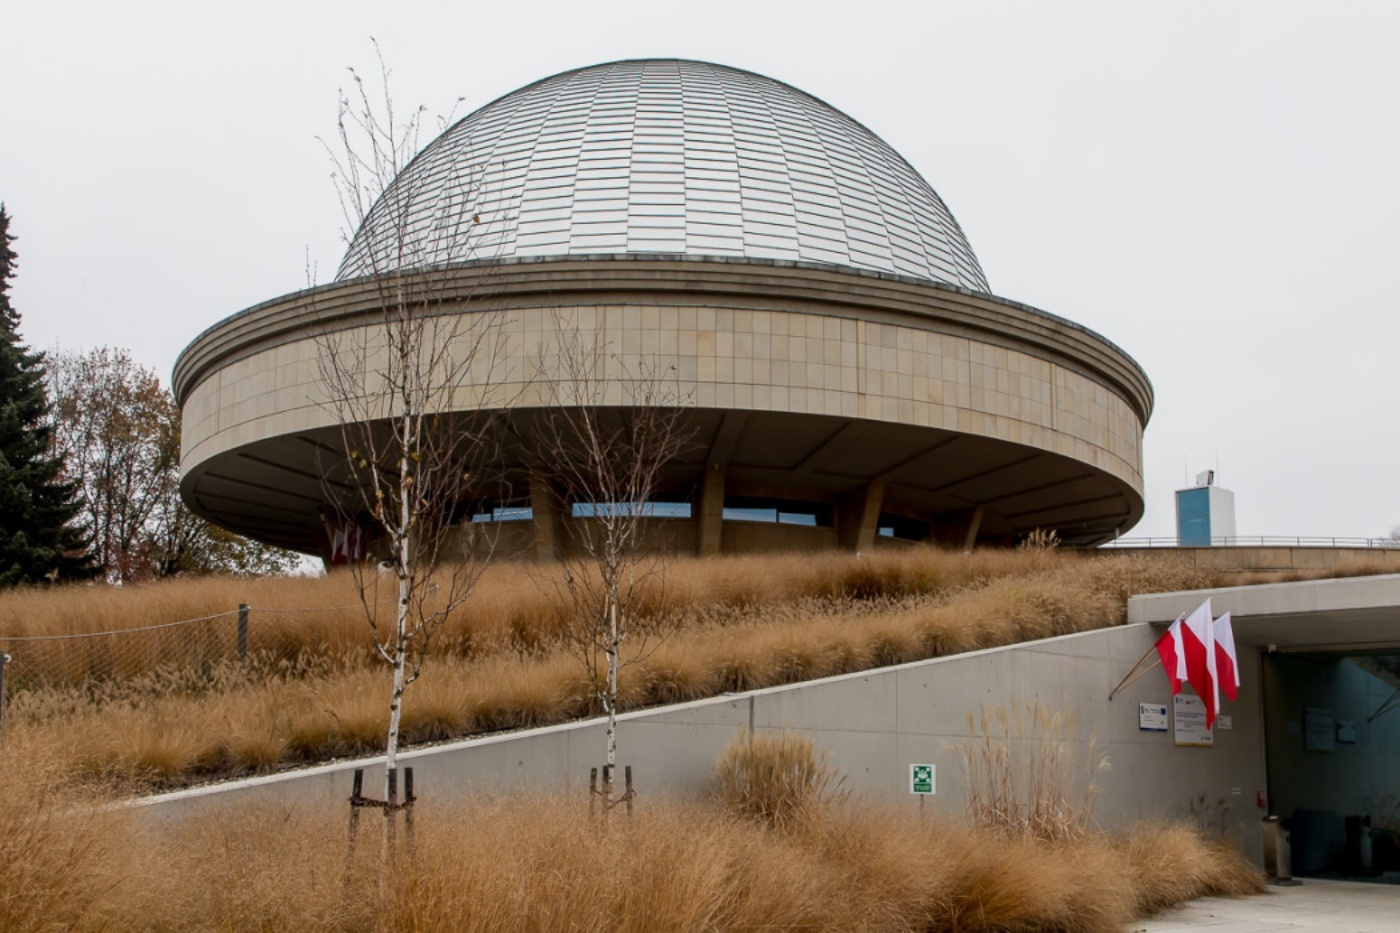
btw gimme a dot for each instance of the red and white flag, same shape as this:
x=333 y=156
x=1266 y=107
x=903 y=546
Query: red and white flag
x=1173 y=654
x=347 y=544
x=1198 y=641
x=1227 y=663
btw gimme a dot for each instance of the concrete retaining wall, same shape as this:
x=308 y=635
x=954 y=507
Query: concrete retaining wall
x=873 y=725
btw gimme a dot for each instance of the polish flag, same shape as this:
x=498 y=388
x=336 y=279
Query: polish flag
x=1226 y=661
x=1198 y=640
x=1173 y=654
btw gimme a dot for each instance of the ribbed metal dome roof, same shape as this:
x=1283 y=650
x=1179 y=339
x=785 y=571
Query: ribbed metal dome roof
x=667 y=157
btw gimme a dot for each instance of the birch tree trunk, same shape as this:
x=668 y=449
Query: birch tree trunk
x=604 y=462
x=611 y=700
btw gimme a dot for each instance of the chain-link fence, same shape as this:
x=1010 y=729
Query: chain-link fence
x=58 y=661
x=42 y=675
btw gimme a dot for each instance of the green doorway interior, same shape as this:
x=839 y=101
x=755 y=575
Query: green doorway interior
x=1332 y=739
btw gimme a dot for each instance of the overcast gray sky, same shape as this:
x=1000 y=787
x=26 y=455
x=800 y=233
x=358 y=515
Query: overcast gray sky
x=1212 y=186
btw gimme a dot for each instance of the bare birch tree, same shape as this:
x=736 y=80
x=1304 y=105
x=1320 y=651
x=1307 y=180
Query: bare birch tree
x=408 y=463
x=610 y=428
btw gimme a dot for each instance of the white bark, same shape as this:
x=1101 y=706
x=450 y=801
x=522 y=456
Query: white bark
x=610 y=700
x=407 y=462
x=391 y=753
x=612 y=457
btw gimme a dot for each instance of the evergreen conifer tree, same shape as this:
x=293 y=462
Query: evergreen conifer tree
x=38 y=539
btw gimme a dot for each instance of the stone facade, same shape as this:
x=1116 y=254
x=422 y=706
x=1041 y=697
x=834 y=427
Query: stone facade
x=760 y=338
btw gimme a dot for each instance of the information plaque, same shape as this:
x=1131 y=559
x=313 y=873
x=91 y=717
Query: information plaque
x=1189 y=716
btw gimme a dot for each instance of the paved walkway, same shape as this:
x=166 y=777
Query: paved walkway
x=1320 y=906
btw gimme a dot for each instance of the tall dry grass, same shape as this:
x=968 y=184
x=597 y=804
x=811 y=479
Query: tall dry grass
x=779 y=780
x=513 y=604
x=1192 y=865
x=1023 y=775
x=1026 y=784
x=312 y=690
x=539 y=863
x=543 y=864
x=57 y=847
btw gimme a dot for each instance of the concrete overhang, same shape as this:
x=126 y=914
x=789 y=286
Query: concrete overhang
x=809 y=382
x=1356 y=615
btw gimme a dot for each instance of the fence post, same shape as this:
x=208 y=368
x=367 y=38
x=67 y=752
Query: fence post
x=4 y=662
x=408 y=798
x=243 y=633
x=391 y=807
x=356 y=801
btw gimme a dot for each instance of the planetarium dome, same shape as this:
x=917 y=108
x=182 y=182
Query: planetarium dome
x=664 y=157
x=850 y=379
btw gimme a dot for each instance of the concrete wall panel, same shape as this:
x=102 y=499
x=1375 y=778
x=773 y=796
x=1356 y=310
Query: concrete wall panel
x=873 y=725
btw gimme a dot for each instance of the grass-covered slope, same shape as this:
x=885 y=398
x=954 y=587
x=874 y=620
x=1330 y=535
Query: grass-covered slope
x=154 y=709
x=166 y=704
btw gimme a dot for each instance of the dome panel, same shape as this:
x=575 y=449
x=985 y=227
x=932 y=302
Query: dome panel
x=670 y=157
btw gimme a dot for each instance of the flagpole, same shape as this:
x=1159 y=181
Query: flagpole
x=1125 y=682
x=1145 y=671
x=1133 y=671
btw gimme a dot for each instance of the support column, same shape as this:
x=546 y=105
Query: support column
x=544 y=511
x=974 y=524
x=710 y=527
x=858 y=519
x=958 y=529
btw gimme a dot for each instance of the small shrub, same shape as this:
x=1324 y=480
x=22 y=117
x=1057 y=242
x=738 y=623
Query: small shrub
x=1169 y=864
x=775 y=779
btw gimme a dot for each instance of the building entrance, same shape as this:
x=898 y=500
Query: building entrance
x=1332 y=739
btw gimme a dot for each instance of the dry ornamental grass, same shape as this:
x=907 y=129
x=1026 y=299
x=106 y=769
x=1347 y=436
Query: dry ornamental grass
x=544 y=864
x=166 y=704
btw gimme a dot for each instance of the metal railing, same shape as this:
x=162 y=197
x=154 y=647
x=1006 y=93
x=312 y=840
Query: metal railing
x=1261 y=541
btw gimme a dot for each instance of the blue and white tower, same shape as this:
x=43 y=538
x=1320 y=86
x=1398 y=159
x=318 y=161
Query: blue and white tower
x=1205 y=513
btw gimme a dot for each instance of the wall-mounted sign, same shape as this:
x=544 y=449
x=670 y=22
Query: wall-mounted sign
x=1224 y=723
x=1189 y=716
x=1152 y=717
x=1319 y=729
x=1346 y=732
x=921 y=779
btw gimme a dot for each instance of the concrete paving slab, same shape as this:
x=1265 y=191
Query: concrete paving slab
x=1315 y=906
